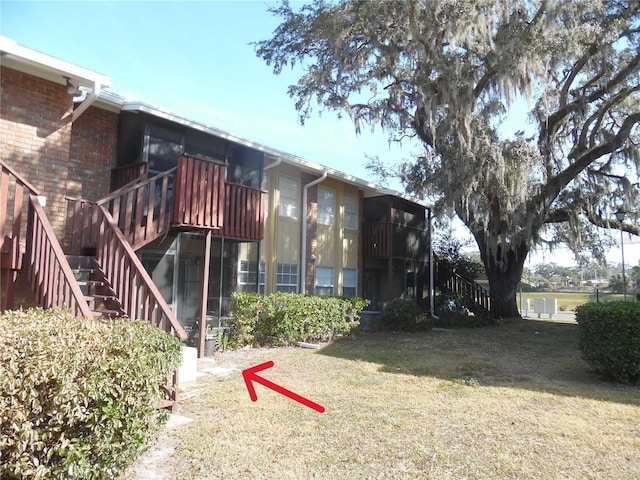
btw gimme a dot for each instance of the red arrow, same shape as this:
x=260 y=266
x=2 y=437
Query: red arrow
x=250 y=376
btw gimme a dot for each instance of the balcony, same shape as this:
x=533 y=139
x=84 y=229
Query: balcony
x=393 y=240
x=202 y=199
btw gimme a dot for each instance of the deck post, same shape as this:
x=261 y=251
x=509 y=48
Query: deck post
x=205 y=293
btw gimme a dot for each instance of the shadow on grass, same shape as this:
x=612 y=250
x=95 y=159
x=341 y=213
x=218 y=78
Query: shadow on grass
x=540 y=355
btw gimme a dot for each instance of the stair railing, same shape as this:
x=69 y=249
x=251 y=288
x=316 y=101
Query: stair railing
x=49 y=272
x=11 y=207
x=131 y=283
x=473 y=291
x=141 y=209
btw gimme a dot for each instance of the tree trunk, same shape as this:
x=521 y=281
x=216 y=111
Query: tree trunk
x=504 y=271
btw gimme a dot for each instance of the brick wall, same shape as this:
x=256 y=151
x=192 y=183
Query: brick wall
x=39 y=141
x=93 y=153
x=35 y=134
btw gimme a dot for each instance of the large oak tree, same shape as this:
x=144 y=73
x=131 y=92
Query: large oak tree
x=447 y=71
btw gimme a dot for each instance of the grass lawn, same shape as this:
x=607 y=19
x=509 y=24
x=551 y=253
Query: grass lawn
x=514 y=401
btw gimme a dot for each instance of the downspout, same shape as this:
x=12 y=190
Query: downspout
x=86 y=101
x=303 y=263
x=270 y=235
x=432 y=288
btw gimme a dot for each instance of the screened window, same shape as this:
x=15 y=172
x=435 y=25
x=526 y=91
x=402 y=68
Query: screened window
x=324 y=281
x=326 y=206
x=248 y=273
x=350 y=212
x=287 y=278
x=349 y=282
x=289 y=198
x=164 y=147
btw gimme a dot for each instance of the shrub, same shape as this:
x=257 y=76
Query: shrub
x=77 y=396
x=610 y=338
x=453 y=312
x=402 y=314
x=284 y=318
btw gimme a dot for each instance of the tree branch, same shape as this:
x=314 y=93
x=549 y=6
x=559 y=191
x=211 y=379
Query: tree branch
x=564 y=214
x=588 y=156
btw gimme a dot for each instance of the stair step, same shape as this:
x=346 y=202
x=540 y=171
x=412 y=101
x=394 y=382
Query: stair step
x=100 y=297
x=94 y=283
x=106 y=313
x=83 y=270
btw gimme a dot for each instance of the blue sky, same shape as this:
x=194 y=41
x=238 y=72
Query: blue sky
x=194 y=59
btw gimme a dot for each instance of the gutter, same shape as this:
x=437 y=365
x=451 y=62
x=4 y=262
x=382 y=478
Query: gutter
x=87 y=101
x=303 y=263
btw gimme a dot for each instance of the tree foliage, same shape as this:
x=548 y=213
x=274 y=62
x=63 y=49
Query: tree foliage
x=446 y=72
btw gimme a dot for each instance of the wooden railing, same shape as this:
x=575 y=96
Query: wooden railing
x=14 y=191
x=243 y=212
x=141 y=209
x=131 y=283
x=49 y=272
x=199 y=193
x=377 y=240
x=389 y=239
x=121 y=176
x=450 y=281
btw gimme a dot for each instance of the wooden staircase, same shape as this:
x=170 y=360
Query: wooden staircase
x=472 y=293
x=112 y=283
x=95 y=286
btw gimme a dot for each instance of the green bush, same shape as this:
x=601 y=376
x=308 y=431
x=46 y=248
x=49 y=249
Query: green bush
x=610 y=338
x=453 y=312
x=77 y=396
x=284 y=318
x=401 y=314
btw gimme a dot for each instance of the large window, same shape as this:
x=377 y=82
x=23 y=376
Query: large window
x=289 y=198
x=326 y=206
x=248 y=274
x=324 y=281
x=287 y=278
x=349 y=282
x=164 y=146
x=350 y=212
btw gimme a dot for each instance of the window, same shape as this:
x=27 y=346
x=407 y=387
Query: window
x=326 y=206
x=287 y=278
x=349 y=282
x=350 y=212
x=324 y=281
x=248 y=274
x=164 y=146
x=289 y=198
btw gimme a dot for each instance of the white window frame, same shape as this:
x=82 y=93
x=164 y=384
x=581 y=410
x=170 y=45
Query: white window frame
x=284 y=271
x=326 y=209
x=244 y=274
x=289 y=205
x=324 y=280
x=352 y=284
x=350 y=211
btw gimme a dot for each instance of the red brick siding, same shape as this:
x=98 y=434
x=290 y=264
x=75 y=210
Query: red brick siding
x=93 y=153
x=39 y=142
x=35 y=134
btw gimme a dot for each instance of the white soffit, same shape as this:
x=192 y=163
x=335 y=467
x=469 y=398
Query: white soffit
x=38 y=64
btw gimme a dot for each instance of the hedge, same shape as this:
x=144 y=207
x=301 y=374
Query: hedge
x=610 y=338
x=404 y=314
x=285 y=318
x=77 y=396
